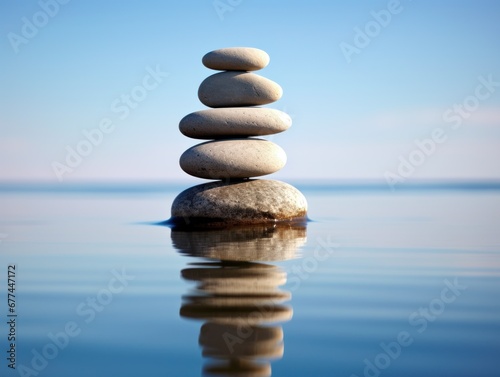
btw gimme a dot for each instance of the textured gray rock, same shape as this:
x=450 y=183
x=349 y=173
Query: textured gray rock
x=236 y=88
x=236 y=59
x=234 y=122
x=219 y=204
x=233 y=158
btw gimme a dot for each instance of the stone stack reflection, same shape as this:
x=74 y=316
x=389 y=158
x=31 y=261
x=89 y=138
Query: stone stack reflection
x=237 y=301
x=240 y=301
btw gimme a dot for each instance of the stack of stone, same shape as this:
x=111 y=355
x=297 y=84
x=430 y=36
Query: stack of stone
x=233 y=155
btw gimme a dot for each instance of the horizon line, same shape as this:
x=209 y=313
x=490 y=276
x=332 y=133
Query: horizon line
x=129 y=186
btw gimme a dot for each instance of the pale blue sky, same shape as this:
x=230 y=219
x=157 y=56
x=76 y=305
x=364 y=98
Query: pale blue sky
x=351 y=120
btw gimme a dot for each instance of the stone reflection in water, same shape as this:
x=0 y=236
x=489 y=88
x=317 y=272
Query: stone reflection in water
x=246 y=244
x=237 y=296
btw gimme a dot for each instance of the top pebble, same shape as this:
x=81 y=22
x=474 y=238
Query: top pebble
x=236 y=59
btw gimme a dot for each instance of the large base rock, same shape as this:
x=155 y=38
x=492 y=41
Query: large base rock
x=220 y=204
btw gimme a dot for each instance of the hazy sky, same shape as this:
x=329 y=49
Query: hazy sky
x=362 y=81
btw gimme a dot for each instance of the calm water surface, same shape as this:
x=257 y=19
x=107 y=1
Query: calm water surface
x=378 y=284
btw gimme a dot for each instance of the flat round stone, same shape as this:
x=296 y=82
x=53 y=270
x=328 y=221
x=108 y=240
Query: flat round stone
x=234 y=122
x=236 y=88
x=220 y=204
x=233 y=158
x=236 y=59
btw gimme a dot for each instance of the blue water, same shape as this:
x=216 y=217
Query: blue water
x=380 y=283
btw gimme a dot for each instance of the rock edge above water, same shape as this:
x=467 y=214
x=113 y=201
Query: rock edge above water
x=221 y=204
